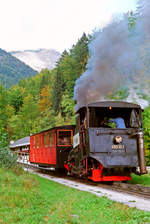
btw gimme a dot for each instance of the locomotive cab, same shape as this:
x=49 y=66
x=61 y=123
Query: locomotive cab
x=108 y=141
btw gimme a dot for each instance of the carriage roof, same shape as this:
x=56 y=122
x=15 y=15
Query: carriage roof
x=67 y=127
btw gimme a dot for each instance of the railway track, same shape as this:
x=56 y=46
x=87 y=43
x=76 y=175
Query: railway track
x=131 y=189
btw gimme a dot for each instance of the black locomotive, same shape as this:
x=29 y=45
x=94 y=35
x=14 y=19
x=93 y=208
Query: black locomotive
x=105 y=145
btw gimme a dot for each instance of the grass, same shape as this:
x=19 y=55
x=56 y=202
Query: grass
x=29 y=199
x=142 y=180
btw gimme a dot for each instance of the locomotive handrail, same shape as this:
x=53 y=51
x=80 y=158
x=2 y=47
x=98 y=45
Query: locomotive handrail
x=136 y=132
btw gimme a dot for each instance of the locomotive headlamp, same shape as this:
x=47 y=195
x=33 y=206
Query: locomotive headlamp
x=118 y=139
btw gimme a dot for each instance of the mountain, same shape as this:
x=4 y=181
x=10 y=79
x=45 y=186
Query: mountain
x=12 y=69
x=38 y=59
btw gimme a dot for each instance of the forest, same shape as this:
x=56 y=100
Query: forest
x=46 y=99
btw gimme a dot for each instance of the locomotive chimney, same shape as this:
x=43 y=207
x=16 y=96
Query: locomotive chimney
x=141 y=153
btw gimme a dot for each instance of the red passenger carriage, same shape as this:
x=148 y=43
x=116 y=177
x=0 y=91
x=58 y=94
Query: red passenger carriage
x=50 y=148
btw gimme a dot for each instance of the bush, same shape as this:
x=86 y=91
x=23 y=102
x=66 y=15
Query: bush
x=7 y=158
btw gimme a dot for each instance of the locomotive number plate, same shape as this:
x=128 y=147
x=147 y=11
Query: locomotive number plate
x=117 y=146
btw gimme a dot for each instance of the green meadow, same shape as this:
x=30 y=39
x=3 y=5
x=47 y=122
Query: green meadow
x=29 y=199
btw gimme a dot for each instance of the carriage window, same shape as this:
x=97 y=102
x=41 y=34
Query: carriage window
x=50 y=139
x=64 y=137
x=37 y=141
x=46 y=139
x=34 y=142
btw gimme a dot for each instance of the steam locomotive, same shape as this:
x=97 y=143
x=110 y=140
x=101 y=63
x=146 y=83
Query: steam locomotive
x=105 y=145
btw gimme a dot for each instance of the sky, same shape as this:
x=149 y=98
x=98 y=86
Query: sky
x=56 y=24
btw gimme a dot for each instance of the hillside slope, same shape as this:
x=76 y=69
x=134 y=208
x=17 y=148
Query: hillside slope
x=12 y=69
x=38 y=59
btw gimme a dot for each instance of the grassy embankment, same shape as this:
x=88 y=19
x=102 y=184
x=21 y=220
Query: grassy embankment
x=26 y=198
x=143 y=180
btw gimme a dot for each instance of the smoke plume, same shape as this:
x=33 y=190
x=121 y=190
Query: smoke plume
x=115 y=57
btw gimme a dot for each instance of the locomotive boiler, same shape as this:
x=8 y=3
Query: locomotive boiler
x=106 y=144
